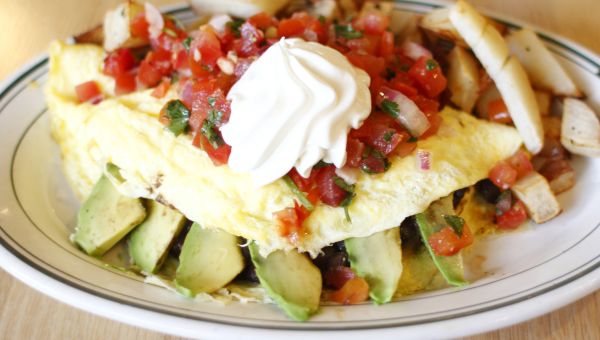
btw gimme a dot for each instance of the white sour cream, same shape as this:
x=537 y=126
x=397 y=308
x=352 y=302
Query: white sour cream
x=293 y=107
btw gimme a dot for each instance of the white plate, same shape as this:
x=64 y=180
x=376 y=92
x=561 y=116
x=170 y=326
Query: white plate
x=528 y=273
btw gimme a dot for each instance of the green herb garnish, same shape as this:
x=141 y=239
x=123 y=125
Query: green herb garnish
x=299 y=194
x=412 y=139
x=179 y=116
x=234 y=26
x=347 y=31
x=349 y=189
x=390 y=107
x=209 y=130
x=211 y=101
x=456 y=223
x=388 y=136
x=430 y=64
x=187 y=43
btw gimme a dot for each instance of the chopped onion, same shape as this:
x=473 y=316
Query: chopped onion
x=219 y=22
x=414 y=51
x=424 y=160
x=408 y=113
x=155 y=20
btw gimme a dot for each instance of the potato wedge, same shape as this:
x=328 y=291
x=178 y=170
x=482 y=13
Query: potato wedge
x=238 y=8
x=520 y=100
x=541 y=66
x=463 y=78
x=535 y=192
x=507 y=73
x=580 y=130
x=116 y=27
x=438 y=22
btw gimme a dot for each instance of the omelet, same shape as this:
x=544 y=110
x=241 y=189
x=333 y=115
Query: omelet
x=155 y=164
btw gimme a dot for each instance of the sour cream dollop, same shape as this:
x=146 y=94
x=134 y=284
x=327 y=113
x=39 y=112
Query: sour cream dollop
x=293 y=107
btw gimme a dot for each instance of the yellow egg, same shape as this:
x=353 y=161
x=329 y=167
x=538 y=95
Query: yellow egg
x=156 y=164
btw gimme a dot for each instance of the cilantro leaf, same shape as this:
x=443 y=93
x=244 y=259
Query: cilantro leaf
x=299 y=194
x=187 y=42
x=179 y=116
x=347 y=31
x=234 y=26
x=209 y=130
x=456 y=223
x=430 y=64
x=390 y=107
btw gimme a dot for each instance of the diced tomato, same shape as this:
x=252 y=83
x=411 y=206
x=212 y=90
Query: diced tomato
x=498 y=112
x=354 y=152
x=219 y=156
x=428 y=106
x=429 y=76
x=503 y=175
x=372 y=23
x=156 y=65
x=406 y=148
x=329 y=192
x=306 y=185
x=367 y=45
x=373 y=65
x=386 y=49
x=125 y=83
x=512 y=218
x=290 y=27
x=373 y=164
x=162 y=88
x=355 y=290
x=261 y=20
x=139 y=27
x=435 y=120
x=447 y=243
x=290 y=222
x=337 y=277
x=202 y=96
x=205 y=50
x=118 y=62
x=88 y=92
x=404 y=88
x=521 y=163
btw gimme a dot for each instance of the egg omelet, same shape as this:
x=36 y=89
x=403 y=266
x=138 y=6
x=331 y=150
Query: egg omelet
x=155 y=164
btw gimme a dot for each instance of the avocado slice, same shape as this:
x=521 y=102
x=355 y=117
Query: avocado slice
x=431 y=221
x=209 y=259
x=105 y=218
x=148 y=242
x=378 y=259
x=291 y=279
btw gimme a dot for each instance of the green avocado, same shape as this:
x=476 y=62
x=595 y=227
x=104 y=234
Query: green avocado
x=291 y=279
x=431 y=221
x=209 y=259
x=105 y=218
x=149 y=242
x=377 y=259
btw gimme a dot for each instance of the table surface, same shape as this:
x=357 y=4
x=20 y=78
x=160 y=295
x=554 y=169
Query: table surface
x=25 y=313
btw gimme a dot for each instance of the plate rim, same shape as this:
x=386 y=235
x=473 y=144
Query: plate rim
x=47 y=284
